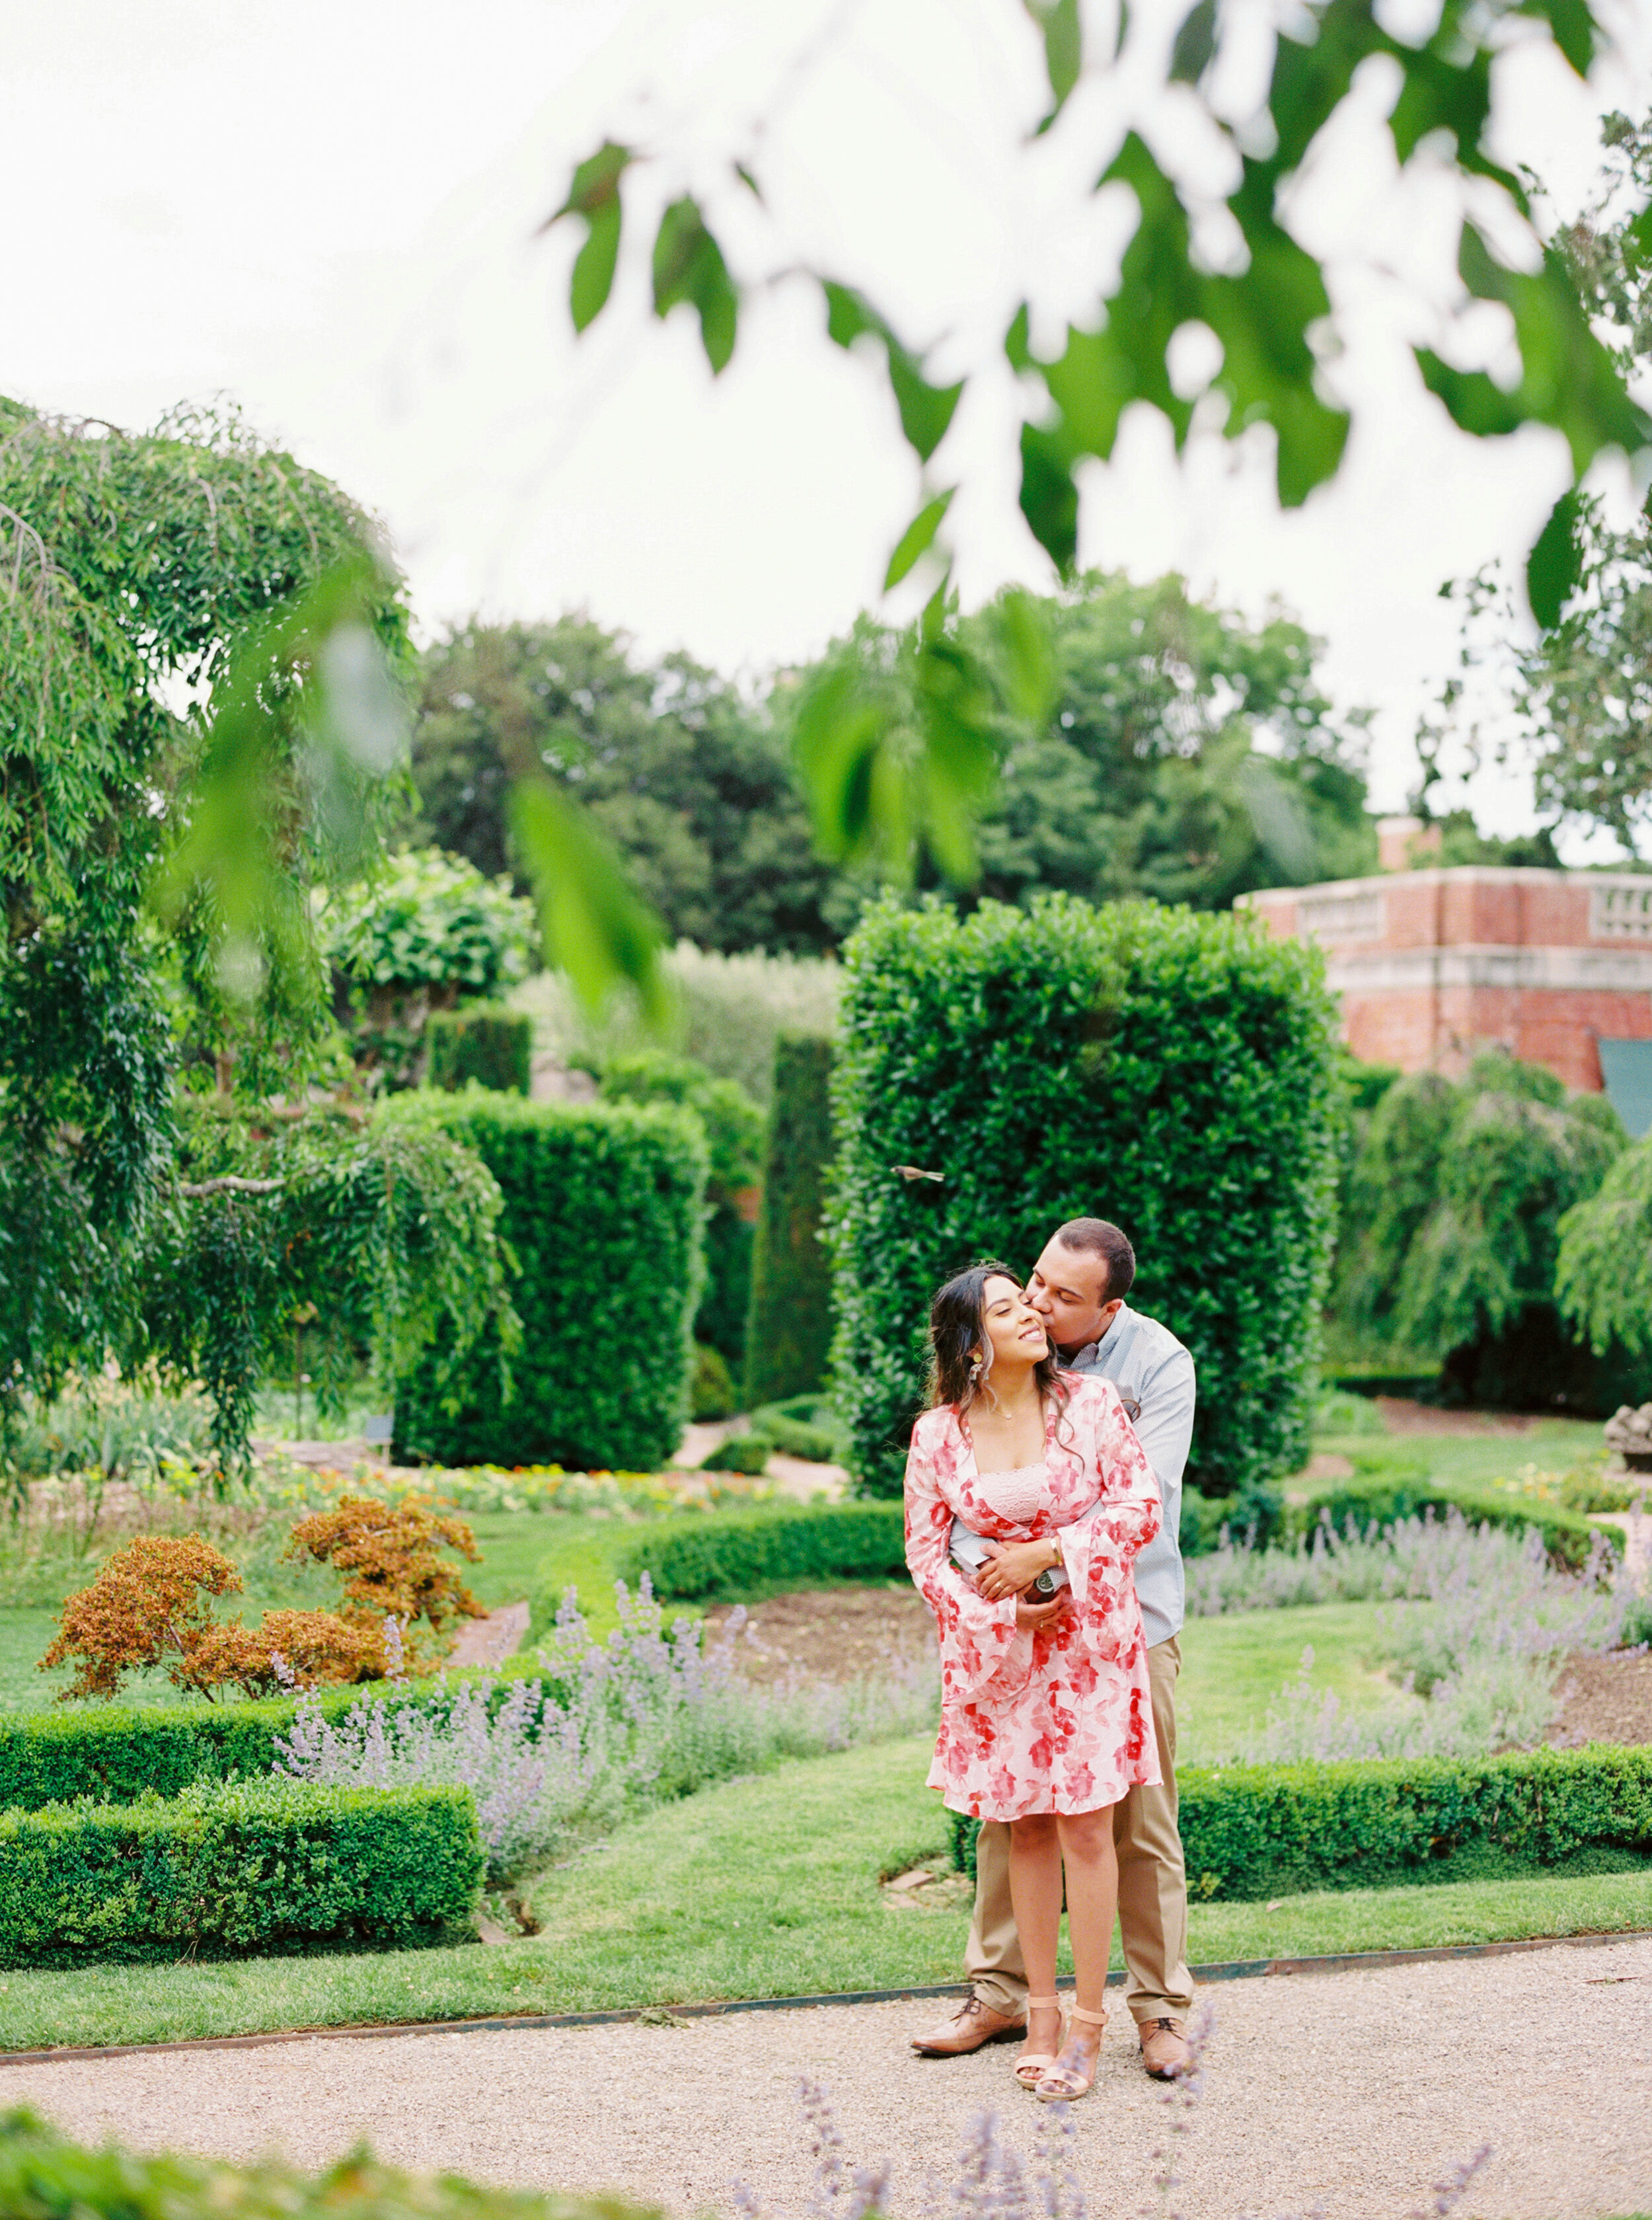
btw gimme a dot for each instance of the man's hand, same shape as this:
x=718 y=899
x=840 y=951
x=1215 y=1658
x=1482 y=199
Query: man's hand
x=1030 y=1616
x=1013 y=1568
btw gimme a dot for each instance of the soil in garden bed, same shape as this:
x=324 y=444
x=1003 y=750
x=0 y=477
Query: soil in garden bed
x=1604 y=1699
x=841 y=1633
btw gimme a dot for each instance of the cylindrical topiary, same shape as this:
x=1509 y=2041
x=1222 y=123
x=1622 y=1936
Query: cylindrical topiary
x=788 y=1336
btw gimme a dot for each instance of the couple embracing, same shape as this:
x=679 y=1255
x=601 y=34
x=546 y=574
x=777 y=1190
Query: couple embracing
x=1044 y=1489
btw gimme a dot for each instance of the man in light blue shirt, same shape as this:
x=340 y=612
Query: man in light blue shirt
x=1078 y=1287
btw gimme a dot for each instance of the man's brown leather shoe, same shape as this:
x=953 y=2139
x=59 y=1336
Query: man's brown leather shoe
x=1165 y=2048
x=970 y=2025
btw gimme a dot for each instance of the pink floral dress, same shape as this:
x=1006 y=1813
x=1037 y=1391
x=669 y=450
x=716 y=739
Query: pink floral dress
x=1059 y=1719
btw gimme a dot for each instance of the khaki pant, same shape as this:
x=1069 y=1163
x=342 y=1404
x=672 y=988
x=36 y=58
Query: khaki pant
x=1152 y=1885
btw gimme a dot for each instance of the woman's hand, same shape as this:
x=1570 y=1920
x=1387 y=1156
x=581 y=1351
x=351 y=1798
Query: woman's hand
x=1030 y=1616
x=1013 y=1568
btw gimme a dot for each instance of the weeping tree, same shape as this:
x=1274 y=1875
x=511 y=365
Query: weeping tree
x=200 y=641
x=1451 y=1243
x=1603 y=1272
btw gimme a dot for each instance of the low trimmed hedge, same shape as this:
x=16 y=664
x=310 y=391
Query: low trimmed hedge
x=721 y=1555
x=1382 y=1497
x=231 y=1867
x=45 y=2177
x=728 y=1552
x=118 y=1753
x=1258 y=1830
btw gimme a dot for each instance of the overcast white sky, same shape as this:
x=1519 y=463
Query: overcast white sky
x=328 y=212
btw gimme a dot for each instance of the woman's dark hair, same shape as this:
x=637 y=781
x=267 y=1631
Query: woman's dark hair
x=957 y=1335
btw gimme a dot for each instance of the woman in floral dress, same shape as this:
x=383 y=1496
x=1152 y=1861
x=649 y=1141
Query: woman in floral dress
x=1045 y=1717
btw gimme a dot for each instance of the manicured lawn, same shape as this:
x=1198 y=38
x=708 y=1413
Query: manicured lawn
x=764 y=1888
x=1233 y=1669
x=1550 y=1446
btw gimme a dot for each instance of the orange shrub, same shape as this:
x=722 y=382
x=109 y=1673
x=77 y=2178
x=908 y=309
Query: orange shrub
x=150 y=1606
x=148 y=1603
x=390 y=1551
x=317 y=1647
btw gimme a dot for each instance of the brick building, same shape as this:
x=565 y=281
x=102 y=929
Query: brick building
x=1432 y=965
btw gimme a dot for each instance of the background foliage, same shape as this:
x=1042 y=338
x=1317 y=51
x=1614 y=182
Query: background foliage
x=1171 y=1072
x=369 y=1234
x=1450 y=1235
x=135 y=567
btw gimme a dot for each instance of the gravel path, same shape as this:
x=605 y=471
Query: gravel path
x=1348 y=2094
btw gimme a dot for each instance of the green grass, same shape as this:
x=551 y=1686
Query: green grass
x=1550 y=1446
x=1233 y=1669
x=764 y=1888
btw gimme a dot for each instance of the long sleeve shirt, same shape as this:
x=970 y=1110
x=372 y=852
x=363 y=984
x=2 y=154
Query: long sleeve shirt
x=1151 y=1369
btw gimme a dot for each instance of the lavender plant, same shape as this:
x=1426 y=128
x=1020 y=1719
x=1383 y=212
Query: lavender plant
x=606 y=1730
x=1479 y=1664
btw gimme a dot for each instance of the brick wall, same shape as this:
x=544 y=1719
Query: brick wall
x=1432 y=966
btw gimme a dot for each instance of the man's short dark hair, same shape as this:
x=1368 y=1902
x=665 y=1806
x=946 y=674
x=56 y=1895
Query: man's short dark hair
x=1095 y=1237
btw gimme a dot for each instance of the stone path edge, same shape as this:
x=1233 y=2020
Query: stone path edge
x=1233 y=1969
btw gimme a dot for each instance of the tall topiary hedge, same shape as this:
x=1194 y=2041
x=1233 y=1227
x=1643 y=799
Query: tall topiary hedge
x=1173 y=1072
x=788 y=1336
x=734 y=1127
x=604 y=1210
x=484 y=1041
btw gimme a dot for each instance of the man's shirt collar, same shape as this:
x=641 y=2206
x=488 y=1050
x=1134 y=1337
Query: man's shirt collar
x=1086 y=1359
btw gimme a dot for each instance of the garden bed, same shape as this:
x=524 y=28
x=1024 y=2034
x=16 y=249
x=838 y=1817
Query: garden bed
x=1604 y=1699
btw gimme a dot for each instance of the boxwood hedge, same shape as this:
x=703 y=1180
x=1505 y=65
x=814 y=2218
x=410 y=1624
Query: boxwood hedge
x=604 y=1210
x=236 y=1865
x=117 y=1753
x=1258 y=1830
x=1173 y=1072
x=730 y=1553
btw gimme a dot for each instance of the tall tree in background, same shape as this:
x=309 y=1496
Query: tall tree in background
x=163 y=1003
x=689 y=784
x=132 y=569
x=1182 y=753
x=1581 y=690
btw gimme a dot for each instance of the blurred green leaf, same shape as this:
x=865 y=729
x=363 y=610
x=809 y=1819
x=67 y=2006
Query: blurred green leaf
x=1571 y=23
x=1261 y=317
x=689 y=265
x=1023 y=635
x=918 y=538
x=1195 y=43
x=1568 y=379
x=307 y=718
x=925 y=410
x=1062 y=31
x=1555 y=564
x=836 y=741
x=595 y=194
x=594 y=928
x=956 y=707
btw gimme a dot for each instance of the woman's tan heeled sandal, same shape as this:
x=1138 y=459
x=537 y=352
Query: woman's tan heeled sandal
x=1032 y=2065
x=1065 y=2084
